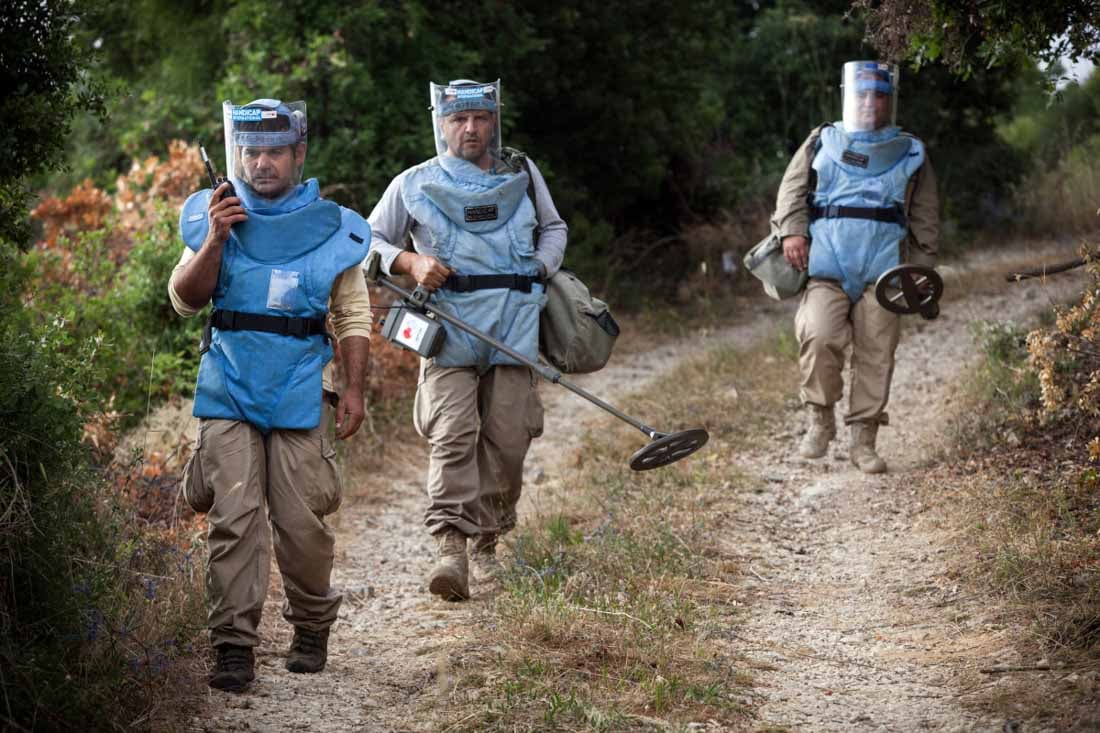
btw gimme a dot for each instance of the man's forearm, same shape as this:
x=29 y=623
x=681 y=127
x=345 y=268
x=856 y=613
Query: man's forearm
x=354 y=352
x=402 y=264
x=195 y=283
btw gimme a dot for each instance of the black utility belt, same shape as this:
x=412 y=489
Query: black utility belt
x=892 y=215
x=469 y=283
x=224 y=320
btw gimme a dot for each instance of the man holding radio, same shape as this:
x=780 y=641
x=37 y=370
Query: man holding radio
x=275 y=259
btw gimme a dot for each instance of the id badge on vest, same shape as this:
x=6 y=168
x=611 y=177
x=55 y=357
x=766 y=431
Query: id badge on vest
x=281 y=289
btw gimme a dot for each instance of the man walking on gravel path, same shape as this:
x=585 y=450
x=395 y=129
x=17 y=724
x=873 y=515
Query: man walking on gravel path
x=475 y=213
x=275 y=259
x=864 y=193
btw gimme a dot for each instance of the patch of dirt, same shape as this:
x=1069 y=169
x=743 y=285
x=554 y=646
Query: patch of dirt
x=852 y=624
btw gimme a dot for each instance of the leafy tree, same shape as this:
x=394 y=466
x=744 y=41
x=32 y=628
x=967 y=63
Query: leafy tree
x=43 y=67
x=968 y=36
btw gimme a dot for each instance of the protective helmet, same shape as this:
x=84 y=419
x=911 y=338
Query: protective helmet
x=870 y=95
x=462 y=95
x=262 y=123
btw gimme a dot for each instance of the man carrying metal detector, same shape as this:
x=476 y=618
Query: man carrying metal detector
x=483 y=246
x=474 y=230
x=873 y=206
x=275 y=258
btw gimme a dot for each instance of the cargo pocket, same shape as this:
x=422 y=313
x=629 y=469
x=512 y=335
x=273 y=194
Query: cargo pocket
x=329 y=479
x=534 y=413
x=196 y=492
x=320 y=470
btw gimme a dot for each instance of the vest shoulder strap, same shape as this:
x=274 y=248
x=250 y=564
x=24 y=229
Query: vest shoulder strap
x=815 y=146
x=516 y=159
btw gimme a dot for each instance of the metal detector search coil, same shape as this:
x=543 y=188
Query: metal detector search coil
x=908 y=289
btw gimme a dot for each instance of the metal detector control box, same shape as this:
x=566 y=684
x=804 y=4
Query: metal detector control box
x=412 y=330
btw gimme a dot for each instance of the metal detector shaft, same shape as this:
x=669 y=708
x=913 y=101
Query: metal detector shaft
x=544 y=371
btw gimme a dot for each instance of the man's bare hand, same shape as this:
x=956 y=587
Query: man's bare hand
x=428 y=272
x=223 y=214
x=350 y=411
x=796 y=250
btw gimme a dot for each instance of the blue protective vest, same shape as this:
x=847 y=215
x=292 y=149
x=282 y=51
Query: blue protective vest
x=868 y=170
x=479 y=223
x=281 y=262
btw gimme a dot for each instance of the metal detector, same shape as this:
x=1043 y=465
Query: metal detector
x=663 y=448
x=907 y=289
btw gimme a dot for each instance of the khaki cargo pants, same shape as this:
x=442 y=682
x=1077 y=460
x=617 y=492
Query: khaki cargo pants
x=827 y=322
x=256 y=488
x=479 y=428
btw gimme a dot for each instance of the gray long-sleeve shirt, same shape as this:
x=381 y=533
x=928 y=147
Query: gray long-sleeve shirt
x=390 y=222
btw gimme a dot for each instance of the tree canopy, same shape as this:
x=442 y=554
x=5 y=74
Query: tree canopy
x=43 y=69
x=967 y=36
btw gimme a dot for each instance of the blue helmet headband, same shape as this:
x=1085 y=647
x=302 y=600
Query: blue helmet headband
x=267 y=123
x=463 y=95
x=872 y=77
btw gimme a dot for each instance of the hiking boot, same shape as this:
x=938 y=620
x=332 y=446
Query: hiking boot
x=234 y=668
x=822 y=429
x=308 y=651
x=862 y=450
x=483 y=557
x=449 y=578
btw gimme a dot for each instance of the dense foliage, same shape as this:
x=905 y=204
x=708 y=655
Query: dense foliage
x=649 y=118
x=43 y=74
x=967 y=36
x=89 y=627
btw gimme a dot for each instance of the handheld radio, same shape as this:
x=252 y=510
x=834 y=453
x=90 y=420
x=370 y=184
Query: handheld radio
x=214 y=180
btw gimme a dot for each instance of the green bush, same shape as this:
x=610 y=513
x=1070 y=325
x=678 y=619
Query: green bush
x=95 y=610
x=146 y=351
x=1059 y=137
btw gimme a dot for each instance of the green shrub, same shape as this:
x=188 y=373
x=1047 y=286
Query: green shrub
x=96 y=609
x=1003 y=378
x=146 y=351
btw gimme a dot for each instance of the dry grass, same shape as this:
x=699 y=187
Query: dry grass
x=619 y=608
x=1023 y=500
x=1063 y=198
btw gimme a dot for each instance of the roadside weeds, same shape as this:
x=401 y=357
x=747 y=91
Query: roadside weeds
x=620 y=606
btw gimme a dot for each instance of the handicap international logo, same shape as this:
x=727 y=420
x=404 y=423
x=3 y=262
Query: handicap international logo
x=247 y=114
x=468 y=92
x=411 y=332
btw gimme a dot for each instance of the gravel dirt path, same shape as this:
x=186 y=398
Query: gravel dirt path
x=853 y=625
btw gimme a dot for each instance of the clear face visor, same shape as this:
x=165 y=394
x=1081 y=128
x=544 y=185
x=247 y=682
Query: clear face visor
x=265 y=145
x=870 y=95
x=466 y=119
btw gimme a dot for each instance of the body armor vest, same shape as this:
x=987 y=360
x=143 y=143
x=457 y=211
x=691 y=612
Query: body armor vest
x=860 y=196
x=479 y=223
x=282 y=262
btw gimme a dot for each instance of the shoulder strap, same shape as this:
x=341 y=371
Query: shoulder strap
x=531 y=195
x=815 y=146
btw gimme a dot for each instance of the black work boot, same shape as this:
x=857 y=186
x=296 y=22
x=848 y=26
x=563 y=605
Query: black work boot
x=308 y=651
x=234 y=668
